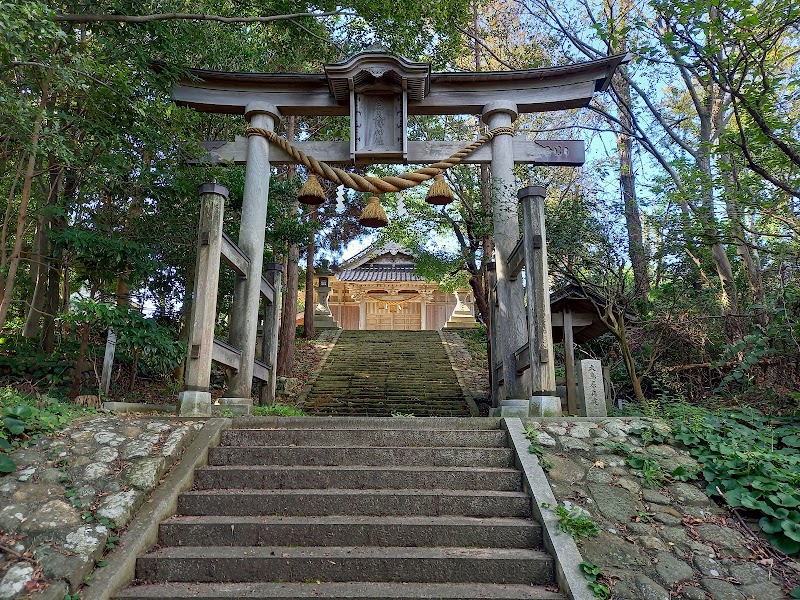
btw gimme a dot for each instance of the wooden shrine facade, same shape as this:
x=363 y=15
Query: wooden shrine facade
x=377 y=289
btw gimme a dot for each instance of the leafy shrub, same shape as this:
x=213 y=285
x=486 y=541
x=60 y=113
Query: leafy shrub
x=753 y=461
x=21 y=360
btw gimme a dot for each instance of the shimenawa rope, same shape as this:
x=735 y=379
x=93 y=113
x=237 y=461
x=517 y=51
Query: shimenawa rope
x=376 y=185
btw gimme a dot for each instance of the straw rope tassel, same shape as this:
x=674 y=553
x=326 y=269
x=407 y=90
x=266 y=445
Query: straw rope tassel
x=373 y=215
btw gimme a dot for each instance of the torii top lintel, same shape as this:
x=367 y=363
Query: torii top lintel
x=330 y=93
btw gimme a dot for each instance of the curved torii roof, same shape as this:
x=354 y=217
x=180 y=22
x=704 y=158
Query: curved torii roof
x=533 y=90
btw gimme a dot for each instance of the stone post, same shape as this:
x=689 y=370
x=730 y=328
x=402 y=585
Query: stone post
x=323 y=318
x=509 y=320
x=195 y=400
x=269 y=338
x=462 y=317
x=244 y=315
x=590 y=386
x=544 y=401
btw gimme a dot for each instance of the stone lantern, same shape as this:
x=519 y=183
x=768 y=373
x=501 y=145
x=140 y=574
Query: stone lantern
x=323 y=318
x=462 y=317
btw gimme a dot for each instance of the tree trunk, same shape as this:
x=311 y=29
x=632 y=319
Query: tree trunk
x=40 y=274
x=286 y=334
x=309 y=332
x=633 y=219
x=16 y=253
x=288 y=328
x=751 y=264
x=730 y=295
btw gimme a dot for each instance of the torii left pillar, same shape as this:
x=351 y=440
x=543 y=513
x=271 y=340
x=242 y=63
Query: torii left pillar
x=244 y=315
x=509 y=326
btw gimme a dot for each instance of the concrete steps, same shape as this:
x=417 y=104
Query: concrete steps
x=378 y=373
x=338 y=590
x=352 y=508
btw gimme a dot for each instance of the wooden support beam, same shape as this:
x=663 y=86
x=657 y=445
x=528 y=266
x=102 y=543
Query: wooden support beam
x=578 y=319
x=226 y=355
x=523 y=358
x=234 y=257
x=261 y=370
x=204 y=297
x=569 y=364
x=267 y=290
x=533 y=90
x=540 y=327
x=567 y=153
x=269 y=333
x=516 y=260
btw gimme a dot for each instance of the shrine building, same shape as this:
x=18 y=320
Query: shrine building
x=377 y=289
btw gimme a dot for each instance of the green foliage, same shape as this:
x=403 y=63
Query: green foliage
x=24 y=419
x=574 y=521
x=278 y=409
x=753 y=462
x=746 y=352
x=23 y=361
x=135 y=332
x=645 y=462
x=593 y=575
x=536 y=449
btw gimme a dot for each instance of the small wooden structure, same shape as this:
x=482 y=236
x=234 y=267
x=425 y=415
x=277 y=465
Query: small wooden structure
x=575 y=321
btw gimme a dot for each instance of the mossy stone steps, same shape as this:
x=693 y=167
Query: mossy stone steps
x=378 y=373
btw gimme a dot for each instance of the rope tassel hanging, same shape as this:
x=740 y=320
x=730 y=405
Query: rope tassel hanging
x=373 y=215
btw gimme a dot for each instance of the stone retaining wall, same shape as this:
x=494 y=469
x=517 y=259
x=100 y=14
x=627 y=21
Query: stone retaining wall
x=658 y=539
x=67 y=490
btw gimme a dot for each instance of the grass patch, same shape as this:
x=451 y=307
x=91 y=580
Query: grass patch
x=475 y=342
x=278 y=409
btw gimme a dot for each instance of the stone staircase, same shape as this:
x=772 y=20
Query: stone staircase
x=377 y=373
x=353 y=508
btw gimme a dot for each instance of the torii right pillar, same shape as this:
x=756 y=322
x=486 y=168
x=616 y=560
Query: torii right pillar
x=510 y=327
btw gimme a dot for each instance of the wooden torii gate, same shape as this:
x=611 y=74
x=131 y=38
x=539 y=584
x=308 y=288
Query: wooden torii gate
x=379 y=91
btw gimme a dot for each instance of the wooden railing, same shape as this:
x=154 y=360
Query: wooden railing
x=213 y=247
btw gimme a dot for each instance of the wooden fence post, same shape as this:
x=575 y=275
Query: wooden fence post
x=195 y=400
x=269 y=338
x=544 y=401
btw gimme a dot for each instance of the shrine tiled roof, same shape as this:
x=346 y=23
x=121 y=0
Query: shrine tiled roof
x=380 y=272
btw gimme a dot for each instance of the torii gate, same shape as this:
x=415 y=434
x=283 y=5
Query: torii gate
x=378 y=91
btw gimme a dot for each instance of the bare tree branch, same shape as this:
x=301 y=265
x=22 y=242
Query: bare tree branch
x=103 y=18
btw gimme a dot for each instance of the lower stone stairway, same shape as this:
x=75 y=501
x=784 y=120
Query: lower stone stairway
x=368 y=508
x=378 y=373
